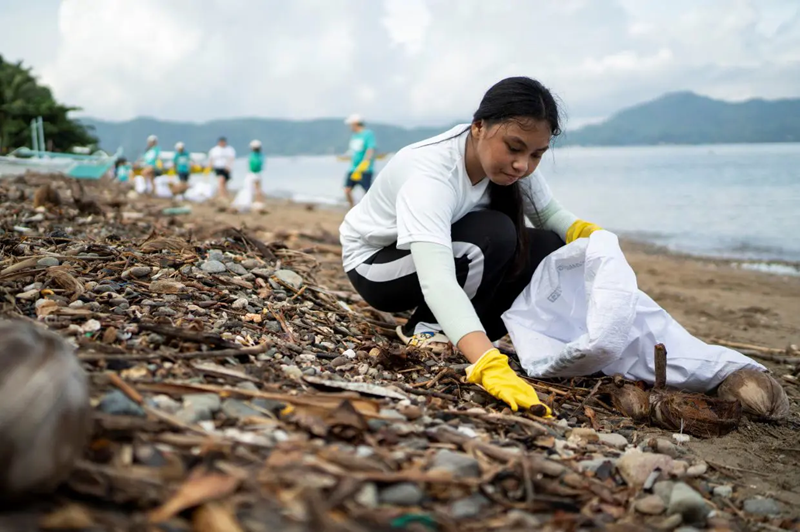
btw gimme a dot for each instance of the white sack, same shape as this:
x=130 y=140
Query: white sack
x=583 y=313
x=244 y=198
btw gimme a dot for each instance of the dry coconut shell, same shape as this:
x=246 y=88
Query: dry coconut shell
x=630 y=401
x=45 y=415
x=758 y=392
x=694 y=414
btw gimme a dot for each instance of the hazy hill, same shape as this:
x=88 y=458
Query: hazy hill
x=675 y=118
x=687 y=118
x=279 y=137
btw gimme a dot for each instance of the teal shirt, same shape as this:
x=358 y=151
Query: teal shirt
x=359 y=144
x=124 y=171
x=256 y=162
x=182 y=161
x=151 y=156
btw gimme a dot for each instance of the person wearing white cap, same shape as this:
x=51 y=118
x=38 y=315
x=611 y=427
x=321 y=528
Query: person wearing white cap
x=151 y=161
x=182 y=162
x=252 y=181
x=362 y=152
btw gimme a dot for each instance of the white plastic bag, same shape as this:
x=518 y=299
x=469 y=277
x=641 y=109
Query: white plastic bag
x=244 y=198
x=583 y=313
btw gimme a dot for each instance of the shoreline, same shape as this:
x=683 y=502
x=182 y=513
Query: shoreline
x=779 y=267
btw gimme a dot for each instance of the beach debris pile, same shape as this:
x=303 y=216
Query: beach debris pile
x=236 y=385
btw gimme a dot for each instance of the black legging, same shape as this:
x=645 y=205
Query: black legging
x=483 y=243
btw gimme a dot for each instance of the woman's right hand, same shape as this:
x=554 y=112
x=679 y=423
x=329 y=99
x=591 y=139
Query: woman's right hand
x=493 y=374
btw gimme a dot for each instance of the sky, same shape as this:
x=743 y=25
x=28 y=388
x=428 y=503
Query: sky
x=408 y=62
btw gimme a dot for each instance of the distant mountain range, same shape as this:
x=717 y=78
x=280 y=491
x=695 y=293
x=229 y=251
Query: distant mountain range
x=675 y=118
x=687 y=118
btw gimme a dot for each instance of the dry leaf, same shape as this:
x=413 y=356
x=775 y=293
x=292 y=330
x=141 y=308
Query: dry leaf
x=214 y=517
x=46 y=307
x=62 y=276
x=200 y=487
x=70 y=517
x=110 y=335
x=162 y=243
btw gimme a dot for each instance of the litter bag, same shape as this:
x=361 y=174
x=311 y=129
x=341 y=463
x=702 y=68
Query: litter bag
x=583 y=313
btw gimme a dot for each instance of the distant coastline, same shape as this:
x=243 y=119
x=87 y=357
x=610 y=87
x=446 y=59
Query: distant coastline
x=681 y=118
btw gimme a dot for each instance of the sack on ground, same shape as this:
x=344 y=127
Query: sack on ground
x=583 y=313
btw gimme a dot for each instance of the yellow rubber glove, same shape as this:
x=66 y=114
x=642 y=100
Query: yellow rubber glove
x=360 y=169
x=581 y=229
x=493 y=373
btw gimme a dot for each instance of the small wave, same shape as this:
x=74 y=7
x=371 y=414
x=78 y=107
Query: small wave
x=769 y=267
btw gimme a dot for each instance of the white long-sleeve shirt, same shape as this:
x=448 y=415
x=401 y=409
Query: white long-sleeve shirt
x=420 y=193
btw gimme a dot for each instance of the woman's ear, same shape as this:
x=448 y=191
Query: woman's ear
x=477 y=129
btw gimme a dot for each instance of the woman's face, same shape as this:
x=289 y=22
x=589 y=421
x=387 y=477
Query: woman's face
x=511 y=150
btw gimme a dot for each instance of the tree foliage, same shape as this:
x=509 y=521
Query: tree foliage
x=22 y=99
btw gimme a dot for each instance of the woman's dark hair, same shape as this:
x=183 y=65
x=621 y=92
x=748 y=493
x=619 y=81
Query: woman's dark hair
x=518 y=99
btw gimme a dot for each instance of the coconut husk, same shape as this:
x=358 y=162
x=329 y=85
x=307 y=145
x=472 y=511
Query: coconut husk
x=760 y=395
x=45 y=421
x=695 y=414
x=630 y=400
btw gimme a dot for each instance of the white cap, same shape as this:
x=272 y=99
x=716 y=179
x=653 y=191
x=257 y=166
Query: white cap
x=354 y=118
x=180 y=146
x=152 y=138
x=255 y=144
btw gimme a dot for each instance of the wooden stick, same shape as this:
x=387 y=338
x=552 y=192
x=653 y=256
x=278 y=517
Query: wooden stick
x=661 y=366
x=224 y=353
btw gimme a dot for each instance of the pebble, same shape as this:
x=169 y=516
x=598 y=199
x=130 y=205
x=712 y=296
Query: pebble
x=678 y=469
x=697 y=470
x=618 y=441
x=723 y=491
x=305 y=358
x=238 y=269
x=402 y=494
x=191 y=415
x=251 y=263
x=584 y=434
x=367 y=496
x=264 y=273
x=663 y=489
x=141 y=271
x=310 y=371
x=666 y=447
x=289 y=277
x=205 y=401
x=460 y=465
x=47 y=262
x=636 y=466
x=165 y=403
x=762 y=506
x=596 y=464
x=118 y=404
x=240 y=303
x=217 y=255
x=340 y=361
x=213 y=266
x=291 y=371
x=650 y=505
x=238 y=409
x=687 y=502
x=469 y=507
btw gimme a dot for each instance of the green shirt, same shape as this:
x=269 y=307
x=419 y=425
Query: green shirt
x=182 y=160
x=256 y=162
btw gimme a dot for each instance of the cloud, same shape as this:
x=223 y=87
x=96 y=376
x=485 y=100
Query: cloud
x=403 y=61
